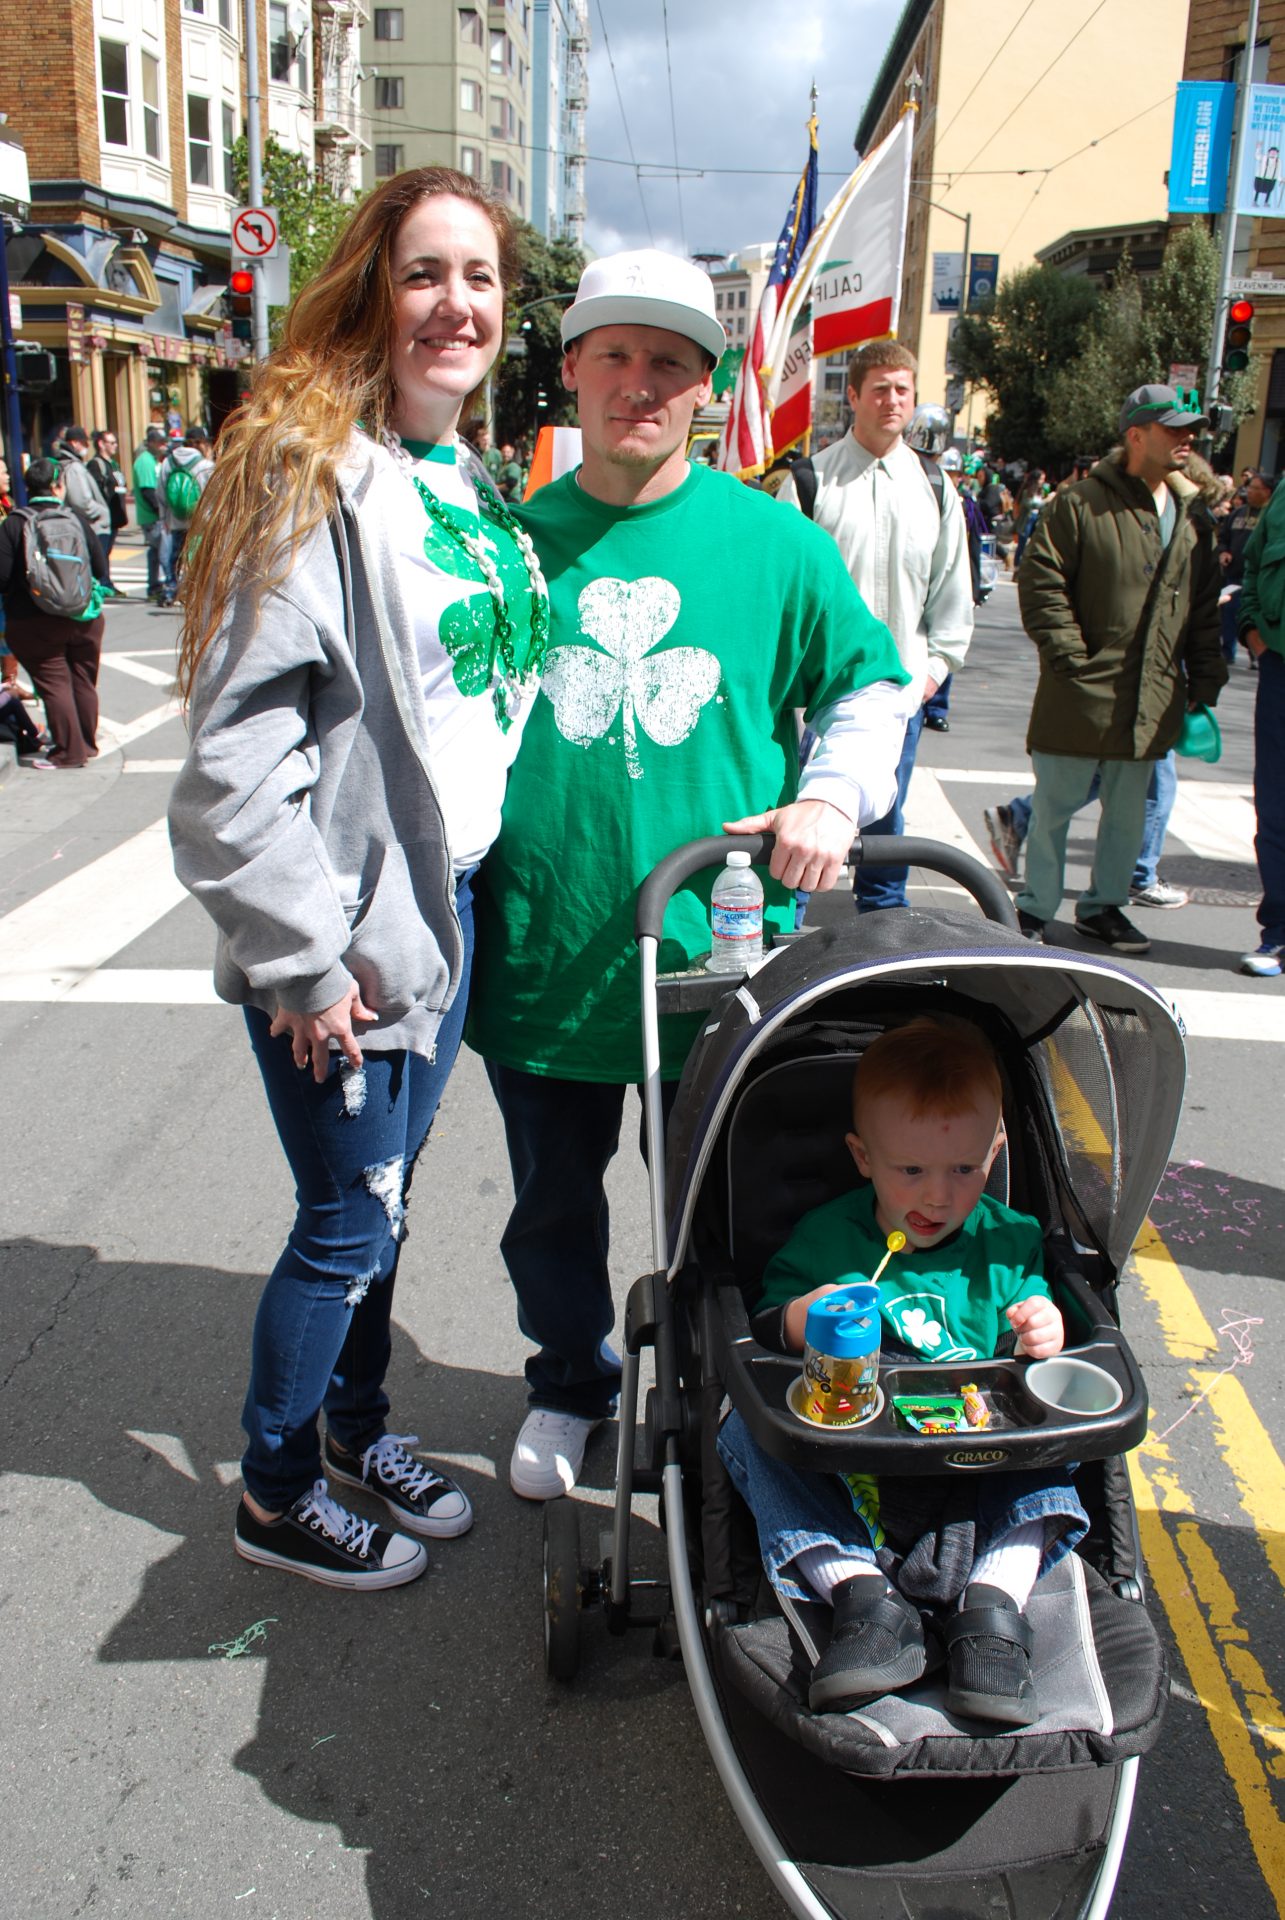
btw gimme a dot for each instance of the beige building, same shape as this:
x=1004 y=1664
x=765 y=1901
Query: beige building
x=1036 y=121
x=451 y=86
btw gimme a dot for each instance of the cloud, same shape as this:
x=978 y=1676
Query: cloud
x=741 y=80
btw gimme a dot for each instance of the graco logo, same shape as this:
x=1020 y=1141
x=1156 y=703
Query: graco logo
x=989 y=1457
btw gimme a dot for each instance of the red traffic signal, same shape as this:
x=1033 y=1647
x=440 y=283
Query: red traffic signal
x=242 y=281
x=1240 y=316
x=241 y=302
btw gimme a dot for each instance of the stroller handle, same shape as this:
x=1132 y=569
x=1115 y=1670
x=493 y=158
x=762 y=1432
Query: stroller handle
x=880 y=850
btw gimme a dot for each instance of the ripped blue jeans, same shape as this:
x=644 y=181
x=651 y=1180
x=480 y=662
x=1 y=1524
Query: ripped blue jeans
x=322 y=1332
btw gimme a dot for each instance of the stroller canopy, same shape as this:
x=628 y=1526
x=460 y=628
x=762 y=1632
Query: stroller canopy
x=1105 y=1046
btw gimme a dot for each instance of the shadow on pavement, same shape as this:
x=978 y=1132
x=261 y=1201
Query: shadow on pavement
x=417 y=1722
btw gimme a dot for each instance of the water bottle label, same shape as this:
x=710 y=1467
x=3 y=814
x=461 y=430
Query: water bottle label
x=737 y=923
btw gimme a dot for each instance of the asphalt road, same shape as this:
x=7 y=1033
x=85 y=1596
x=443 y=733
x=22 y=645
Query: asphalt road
x=402 y=1754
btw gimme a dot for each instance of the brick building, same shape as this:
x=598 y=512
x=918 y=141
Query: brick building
x=128 y=111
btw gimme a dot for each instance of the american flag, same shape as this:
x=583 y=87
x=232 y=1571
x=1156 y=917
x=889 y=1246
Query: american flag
x=746 y=445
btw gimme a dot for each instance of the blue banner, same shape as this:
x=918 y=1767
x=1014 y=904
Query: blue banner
x=1258 y=170
x=1202 y=127
x=983 y=277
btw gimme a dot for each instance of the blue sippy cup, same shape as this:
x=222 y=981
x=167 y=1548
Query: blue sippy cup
x=841 y=1356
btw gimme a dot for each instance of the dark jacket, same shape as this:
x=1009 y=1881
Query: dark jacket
x=1262 y=598
x=111 y=484
x=18 y=603
x=1127 y=633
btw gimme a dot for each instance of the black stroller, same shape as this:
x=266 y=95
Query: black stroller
x=896 y=1811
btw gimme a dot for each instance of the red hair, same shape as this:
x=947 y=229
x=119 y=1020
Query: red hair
x=938 y=1065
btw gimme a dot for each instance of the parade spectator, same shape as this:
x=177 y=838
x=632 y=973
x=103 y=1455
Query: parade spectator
x=907 y=552
x=691 y=618
x=361 y=645
x=181 y=479
x=1261 y=627
x=1233 y=538
x=508 y=475
x=60 y=654
x=110 y=482
x=147 y=506
x=71 y=452
x=1119 y=592
x=8 y=663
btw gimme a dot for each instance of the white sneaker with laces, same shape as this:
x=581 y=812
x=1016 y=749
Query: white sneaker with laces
x=1158 y=895
x=1265 y=962
x=549 y=1453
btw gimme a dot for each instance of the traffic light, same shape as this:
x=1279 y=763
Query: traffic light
x=241 y=301
x=1240 y=327
x=37 y=368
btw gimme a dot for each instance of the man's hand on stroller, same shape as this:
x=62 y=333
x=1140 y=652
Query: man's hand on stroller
x=1038 y=1326
x=813 y=839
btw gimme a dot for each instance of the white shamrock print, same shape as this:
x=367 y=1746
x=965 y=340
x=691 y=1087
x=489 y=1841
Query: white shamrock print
x=662 y=693
x=921 y=1332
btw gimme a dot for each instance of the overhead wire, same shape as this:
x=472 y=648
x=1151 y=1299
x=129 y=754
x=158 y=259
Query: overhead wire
x=1036 y=82
x=602 y=21
x=673 y=123
x=985 y=73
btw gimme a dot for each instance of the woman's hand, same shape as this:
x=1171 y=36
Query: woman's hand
x=1038 y=1326
x=311 y=1033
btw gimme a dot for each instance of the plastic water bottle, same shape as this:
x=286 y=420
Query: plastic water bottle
x=736 y=917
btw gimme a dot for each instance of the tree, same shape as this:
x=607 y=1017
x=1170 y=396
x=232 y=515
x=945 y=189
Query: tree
x=1014 y=345
x=1180 y=317
x=548 y=272
x=1085 y=396
x=311 y=215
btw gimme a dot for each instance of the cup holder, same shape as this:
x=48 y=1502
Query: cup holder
x=1069 y=1385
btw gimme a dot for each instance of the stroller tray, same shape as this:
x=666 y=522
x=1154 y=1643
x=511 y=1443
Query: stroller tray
x=1087 y=1404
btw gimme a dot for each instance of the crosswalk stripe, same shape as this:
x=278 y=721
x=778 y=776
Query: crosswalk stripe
x=78 y=923
x=122 y=735
x=138 y=669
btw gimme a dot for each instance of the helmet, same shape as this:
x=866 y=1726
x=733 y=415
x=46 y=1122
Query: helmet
x=952 y=460
x=929 y=430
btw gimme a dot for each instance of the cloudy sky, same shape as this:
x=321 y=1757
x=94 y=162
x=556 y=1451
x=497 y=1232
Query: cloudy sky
x=742 y=70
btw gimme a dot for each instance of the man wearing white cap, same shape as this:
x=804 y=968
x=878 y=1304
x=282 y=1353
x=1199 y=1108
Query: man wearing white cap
x=691 y=616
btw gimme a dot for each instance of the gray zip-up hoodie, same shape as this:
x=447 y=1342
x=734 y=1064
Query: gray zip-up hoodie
x=306 y=819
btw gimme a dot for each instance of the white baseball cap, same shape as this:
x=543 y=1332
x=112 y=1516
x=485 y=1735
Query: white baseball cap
x=646 y=289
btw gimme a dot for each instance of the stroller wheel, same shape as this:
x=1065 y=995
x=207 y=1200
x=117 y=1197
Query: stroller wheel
x=562 y=1589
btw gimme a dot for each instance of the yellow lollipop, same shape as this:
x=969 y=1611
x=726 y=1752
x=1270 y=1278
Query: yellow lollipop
x=896 y=1241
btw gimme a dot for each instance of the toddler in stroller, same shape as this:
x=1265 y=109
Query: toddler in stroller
x=927 y=1128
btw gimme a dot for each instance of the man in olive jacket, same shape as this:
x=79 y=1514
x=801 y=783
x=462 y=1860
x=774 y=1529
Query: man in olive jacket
x=1119 y=591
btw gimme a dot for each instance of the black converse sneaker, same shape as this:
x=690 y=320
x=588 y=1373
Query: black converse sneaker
x=422 y=1499
x=323 y=1541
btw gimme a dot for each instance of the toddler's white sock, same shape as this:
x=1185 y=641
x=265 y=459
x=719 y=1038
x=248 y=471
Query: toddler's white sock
x=822 y=1568
x=1012 y=1564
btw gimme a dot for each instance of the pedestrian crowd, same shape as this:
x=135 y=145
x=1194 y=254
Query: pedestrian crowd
x=439 y=735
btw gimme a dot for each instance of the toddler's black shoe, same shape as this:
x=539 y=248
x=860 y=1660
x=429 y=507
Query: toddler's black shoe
x=422 y=1499
x=988 y=1649
x=323 y=1541
x=876 y=1647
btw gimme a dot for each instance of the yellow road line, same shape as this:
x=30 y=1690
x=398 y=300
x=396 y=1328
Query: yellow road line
x=1204 y=1646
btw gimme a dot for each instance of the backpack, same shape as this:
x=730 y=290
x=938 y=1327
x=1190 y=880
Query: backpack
x=804 y=476
x=56 y=553
x=182 y=492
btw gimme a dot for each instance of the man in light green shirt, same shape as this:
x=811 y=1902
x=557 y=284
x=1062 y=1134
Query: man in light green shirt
x=691 y=617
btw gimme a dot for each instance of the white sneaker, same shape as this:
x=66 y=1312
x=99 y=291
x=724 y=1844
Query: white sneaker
x=549 y=1453
x=1158 y=894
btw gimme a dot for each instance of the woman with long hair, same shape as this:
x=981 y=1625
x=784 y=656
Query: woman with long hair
x=364 y=629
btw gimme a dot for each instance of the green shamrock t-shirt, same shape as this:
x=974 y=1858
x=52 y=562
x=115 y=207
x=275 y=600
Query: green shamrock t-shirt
x=945 y=1302
x=685 y=633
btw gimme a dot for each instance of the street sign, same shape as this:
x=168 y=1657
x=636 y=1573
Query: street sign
x=1183 y=376
x=255 y=233
x=1259 y=286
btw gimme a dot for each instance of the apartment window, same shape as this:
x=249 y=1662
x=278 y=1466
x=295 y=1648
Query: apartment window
x=389 y=23
x=471 y=27
x=390 y=90
x=388 y=161
x=501 y=52
x=502 y=178
x=113 y=65
x=503 y=118
x=718 y=301
x=229 y=141
x=151 y=106
x=279 y=49
x=471 y=162
x=225 y=15
x=740 y=301
x=199 y=168
x=470 y=96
